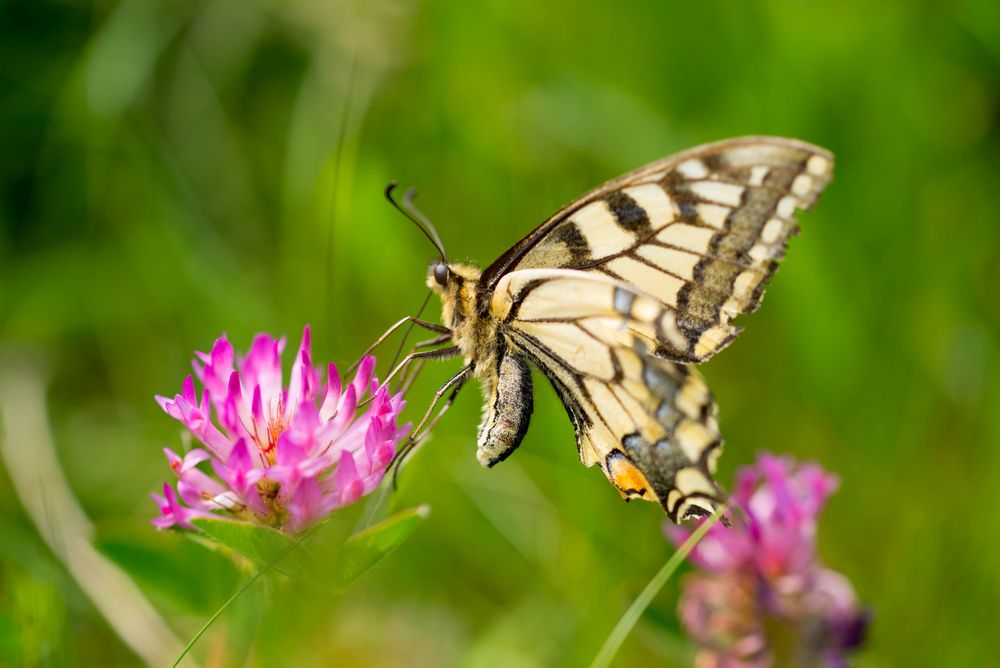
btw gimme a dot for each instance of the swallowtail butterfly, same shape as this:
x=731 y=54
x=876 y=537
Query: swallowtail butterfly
x=616 y=297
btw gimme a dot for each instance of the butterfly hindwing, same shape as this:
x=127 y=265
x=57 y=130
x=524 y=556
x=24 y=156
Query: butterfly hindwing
x=650 y=423
x=702 y=231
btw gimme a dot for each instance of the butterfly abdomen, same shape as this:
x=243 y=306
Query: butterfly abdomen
x=507 y=411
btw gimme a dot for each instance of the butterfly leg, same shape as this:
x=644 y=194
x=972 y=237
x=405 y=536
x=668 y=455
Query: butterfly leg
x=410 y=375
x=423 y=428
x=440 y=354
x=411 y=320
x=430 y=343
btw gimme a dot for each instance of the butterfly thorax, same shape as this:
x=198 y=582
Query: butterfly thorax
x=474 y=335
x=503 y=373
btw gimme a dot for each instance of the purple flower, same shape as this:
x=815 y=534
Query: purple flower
x=762 y=598
x=282 y=457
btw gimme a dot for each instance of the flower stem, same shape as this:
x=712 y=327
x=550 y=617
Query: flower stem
x=239 y=592
x=646 y=596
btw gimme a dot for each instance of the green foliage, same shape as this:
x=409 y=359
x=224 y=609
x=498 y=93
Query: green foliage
x=32 y=620
x=160 y=561
x=263 y=547
x=330 y=569
x=269 y=550
x=175 y=169
x=365 y=549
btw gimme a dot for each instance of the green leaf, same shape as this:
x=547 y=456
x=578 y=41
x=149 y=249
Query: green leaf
x=368 y=547
x=261 y=545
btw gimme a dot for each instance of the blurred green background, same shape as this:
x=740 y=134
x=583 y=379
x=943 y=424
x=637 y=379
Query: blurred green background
x=175 y=169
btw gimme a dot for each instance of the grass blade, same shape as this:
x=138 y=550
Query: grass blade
x=631 y=617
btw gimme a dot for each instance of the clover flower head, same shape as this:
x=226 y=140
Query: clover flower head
x=761 y=596
x=279 y=456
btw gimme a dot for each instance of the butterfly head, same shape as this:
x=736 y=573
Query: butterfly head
x=450 y=280
x=441 y=280
x=457 y=285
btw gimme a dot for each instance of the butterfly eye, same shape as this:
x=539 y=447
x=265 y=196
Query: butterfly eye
x=441 y=273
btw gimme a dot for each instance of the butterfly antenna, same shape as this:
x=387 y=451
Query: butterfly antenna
x=419 y=220
x=408 y=198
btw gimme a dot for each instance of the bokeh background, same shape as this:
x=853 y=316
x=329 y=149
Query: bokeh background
x=174 y=169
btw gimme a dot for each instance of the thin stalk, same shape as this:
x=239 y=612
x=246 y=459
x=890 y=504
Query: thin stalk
x=646 y=596
x=239 y=592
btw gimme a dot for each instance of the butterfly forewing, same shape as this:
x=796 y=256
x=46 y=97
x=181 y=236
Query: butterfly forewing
x=702 y=231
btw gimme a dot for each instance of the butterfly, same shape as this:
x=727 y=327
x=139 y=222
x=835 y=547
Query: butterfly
x=615 y=298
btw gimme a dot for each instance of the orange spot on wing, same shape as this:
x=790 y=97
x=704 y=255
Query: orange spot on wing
x=629 y=480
